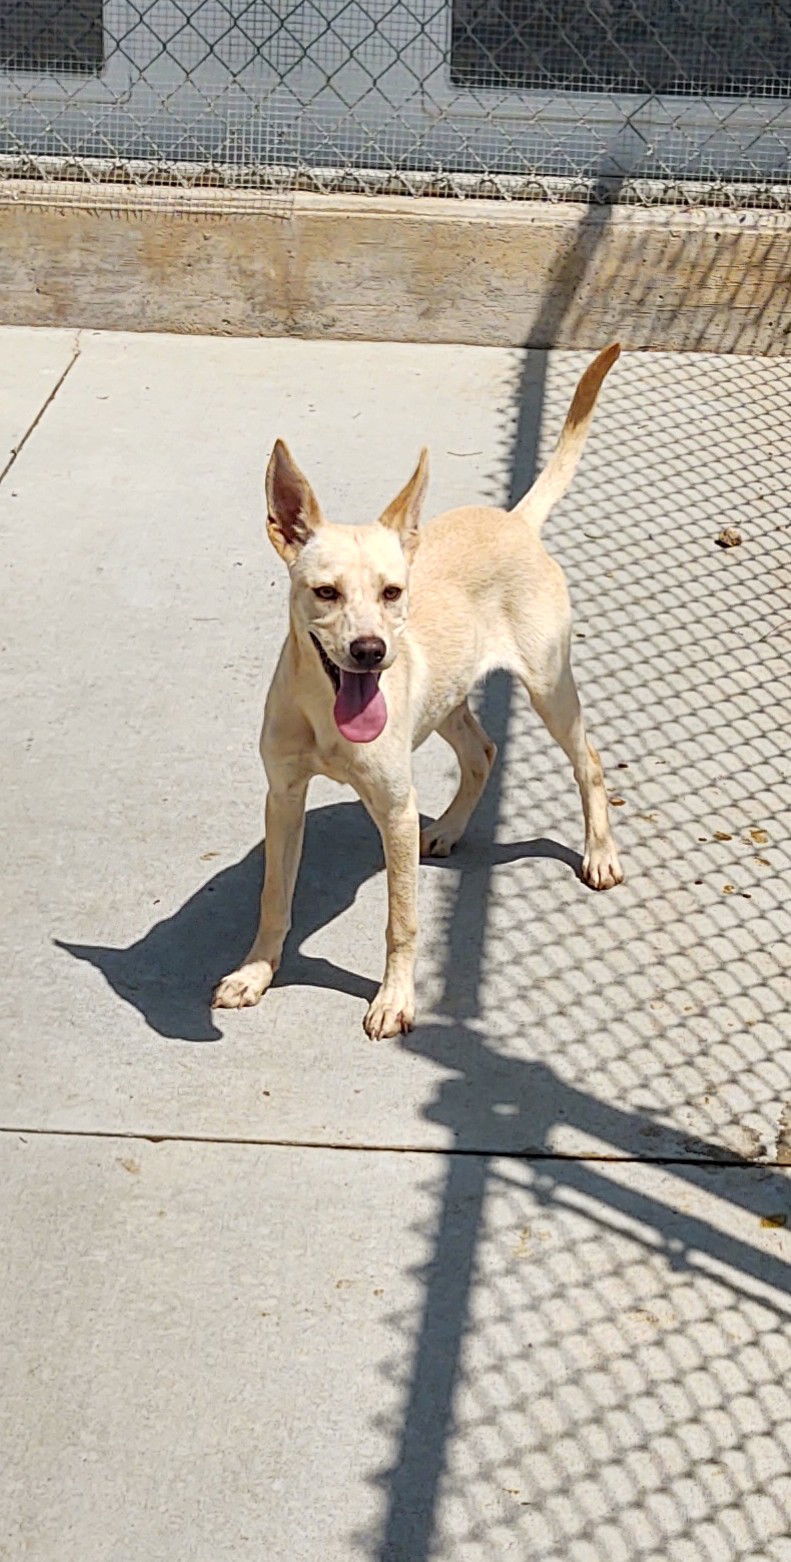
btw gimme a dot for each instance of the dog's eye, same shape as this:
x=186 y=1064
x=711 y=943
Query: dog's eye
x=392 y=593
x=326 y=593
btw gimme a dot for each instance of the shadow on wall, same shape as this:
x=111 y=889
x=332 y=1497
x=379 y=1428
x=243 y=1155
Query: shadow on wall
x=705 y=283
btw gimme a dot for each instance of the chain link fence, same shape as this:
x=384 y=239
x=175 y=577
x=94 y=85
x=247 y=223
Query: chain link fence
x=649 y=100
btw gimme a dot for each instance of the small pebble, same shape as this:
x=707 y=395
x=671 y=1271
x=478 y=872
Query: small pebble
x=728 y=537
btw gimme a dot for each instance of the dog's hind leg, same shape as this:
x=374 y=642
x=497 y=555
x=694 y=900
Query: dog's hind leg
x=554 y=695
x=476 y=754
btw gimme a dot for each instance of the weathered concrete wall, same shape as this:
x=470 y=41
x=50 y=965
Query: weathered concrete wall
x=402 y=270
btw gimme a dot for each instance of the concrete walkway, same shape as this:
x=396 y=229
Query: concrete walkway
x=517 y=1286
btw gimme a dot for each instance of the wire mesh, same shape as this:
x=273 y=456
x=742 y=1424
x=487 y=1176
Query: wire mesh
x=595 y=99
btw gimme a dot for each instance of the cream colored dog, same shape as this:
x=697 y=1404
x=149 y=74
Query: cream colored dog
x=386 y=640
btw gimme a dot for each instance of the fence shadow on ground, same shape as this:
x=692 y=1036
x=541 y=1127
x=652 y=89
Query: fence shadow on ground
x=537 y=1419
x=644 y=1358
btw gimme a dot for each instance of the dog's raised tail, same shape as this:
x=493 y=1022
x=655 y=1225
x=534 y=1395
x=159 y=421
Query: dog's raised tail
x=551 y=484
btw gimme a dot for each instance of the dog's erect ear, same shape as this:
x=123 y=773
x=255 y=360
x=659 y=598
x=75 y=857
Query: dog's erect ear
x=292 y=509
x=403 y=515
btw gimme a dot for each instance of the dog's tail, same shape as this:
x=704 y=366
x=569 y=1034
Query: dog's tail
x=551 y=484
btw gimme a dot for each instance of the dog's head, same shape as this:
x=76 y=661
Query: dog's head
x=349 y=585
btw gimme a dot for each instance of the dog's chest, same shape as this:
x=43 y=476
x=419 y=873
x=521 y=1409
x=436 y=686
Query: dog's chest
x=326 y=765
x=329 y=758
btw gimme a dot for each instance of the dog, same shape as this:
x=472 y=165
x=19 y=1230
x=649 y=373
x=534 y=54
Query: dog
x=390 y=628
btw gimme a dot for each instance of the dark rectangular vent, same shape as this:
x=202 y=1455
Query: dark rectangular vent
x=51 y=35
x=728 y=48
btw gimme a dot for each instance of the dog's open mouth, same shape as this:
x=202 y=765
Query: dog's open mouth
x=333 y=672
x=360 y=711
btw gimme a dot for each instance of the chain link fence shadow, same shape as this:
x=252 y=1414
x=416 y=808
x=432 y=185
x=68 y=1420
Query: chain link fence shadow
x=595 y=1362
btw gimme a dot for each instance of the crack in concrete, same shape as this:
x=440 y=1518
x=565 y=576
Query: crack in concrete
x=48 y=400
x=714 y=1162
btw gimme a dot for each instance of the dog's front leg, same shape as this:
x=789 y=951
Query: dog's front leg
x=285 y=828
x=393 y=1008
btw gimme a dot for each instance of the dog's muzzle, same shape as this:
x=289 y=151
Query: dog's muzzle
x=359 y=709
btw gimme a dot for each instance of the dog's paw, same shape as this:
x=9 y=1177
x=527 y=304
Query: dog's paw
x=244 y=987
x=601 y=868
x=436 y=841
x=391 y=1013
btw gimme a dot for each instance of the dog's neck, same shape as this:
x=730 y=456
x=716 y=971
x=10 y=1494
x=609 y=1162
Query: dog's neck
x=302 y=648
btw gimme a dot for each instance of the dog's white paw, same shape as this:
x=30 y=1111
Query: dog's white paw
x=601 y=868
x=244 y=987
x=391 y=1013
x=436 y=841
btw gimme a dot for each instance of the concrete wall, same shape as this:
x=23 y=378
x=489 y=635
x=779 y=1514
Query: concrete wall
x=426 y=270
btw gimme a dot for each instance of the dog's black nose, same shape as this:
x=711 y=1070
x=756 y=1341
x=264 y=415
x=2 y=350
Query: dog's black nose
x=367 y=651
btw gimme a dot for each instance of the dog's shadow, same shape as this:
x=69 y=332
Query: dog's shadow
x=169 y=973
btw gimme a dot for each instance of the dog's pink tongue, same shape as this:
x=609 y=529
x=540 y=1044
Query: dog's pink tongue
x=360 y=710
